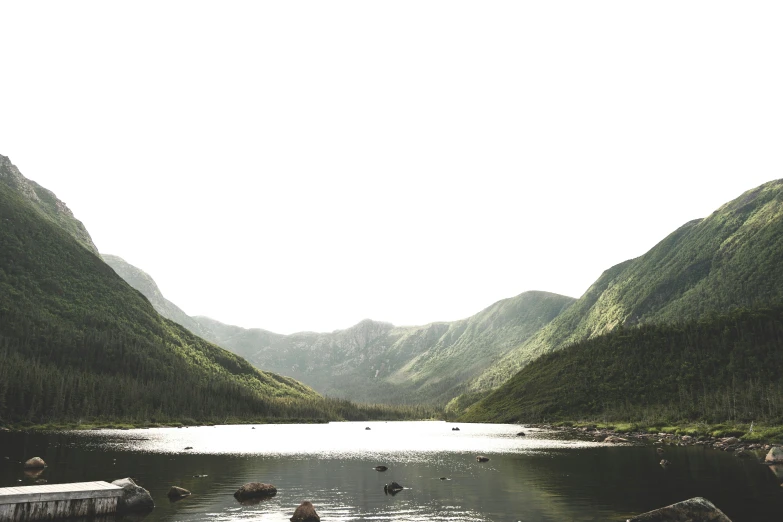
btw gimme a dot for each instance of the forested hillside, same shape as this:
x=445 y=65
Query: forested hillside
x=78 y=343
x=728 y=260
x=721 y=368
x=379 y=362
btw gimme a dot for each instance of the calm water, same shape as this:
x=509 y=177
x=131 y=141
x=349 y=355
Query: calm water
x=535 y=478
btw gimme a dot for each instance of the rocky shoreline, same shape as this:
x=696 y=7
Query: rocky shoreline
x=596 y=434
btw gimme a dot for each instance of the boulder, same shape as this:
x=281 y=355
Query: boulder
x=392 y=488
x=134 y=497
x=255 y=490
x=482 y=458
x=305 y=513
x=35 y=463
x=696 y=509
x=775 y=455
x=177 y=492
x=730 y=440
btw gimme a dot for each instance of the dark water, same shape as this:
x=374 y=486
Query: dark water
x=534 y=478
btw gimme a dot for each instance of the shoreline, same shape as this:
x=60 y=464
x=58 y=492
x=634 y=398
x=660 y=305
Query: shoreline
x=737 y=438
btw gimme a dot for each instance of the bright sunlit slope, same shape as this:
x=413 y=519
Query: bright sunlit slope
x=77 y=342
x=726 y=261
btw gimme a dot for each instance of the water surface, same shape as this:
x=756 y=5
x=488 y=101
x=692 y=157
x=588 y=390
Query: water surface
x=539 y=477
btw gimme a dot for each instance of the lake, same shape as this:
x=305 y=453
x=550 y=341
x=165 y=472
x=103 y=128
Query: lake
x=539 y=477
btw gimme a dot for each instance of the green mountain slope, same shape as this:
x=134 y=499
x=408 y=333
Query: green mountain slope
x=730 y=259
x=723 y=368
x=142 y=282
x=45 y=202
x=379 y=362
x=76 y=341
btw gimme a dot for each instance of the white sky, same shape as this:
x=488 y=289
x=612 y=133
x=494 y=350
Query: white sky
x=305 y=165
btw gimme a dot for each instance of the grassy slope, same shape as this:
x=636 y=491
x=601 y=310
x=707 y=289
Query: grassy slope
x=414 y=364
x=65 y=316
x=727 y=260
x=723 y=368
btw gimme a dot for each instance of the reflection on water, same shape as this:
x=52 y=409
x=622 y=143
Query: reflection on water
x=532 y=478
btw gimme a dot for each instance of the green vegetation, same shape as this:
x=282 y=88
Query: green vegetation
x=720 y=369
x=77 y=344
x=726 y=261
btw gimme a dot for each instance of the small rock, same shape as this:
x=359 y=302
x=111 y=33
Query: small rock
x=521 y=434
x=444 y=478
x=455 y=429
x=254 y=490
x=367 y=428
x=188 y=447
x=35 y=463
x=40 y=481
x=665 y=463
x=380 y=468
x=199 y=476
x=177 y=492
x=686 y=438
x=731 y=440
x=659 y=450
x=743 y=454
x=482 y=458
x=614 y=439
x=392 y=488
x=305 y=513
x=697 y=509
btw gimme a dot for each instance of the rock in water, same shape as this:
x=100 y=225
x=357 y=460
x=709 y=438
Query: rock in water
x=775 y=455
x=392 y=488
x=482 y=458
x=35 y=463
x=380 y=468
x=255 y=490
x=665 y=463
x=177 y=492
x=305 y=513
x=521 y=434
x=614 y=439
x=697 y=509
x=134 y=498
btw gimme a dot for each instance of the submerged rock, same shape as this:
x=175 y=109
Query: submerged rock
x=35 y=463
x=134 y=497
x=696 y=509
x=255 y=490
x=177 y=492
x=482 y=458
x=305 y=513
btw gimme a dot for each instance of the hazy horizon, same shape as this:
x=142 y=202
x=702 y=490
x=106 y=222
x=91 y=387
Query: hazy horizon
x=301 y=167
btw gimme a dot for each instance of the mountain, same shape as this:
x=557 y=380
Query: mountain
x=142 y=282
x=721 y=368
x=375 y=361
x=708 y=266
x=378 y=362
x=45 y=202
x=77 y=342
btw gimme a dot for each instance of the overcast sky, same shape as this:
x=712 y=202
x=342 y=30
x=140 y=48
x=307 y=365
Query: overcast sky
x=305 y=165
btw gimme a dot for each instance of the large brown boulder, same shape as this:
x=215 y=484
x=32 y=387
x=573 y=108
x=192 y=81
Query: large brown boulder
x=35 y=463
x=255 y=490
x=697 y=509
x=134 y=497
x=775 y=455
x=305 y=513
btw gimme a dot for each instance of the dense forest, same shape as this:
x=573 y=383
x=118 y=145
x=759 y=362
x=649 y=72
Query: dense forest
x=77 y=344
x=721 y=368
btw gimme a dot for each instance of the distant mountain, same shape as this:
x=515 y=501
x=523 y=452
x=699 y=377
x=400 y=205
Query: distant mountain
x=374 y=361
x=726 y=261
x=142 y=282
x=77 y=342
x=378 y=362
